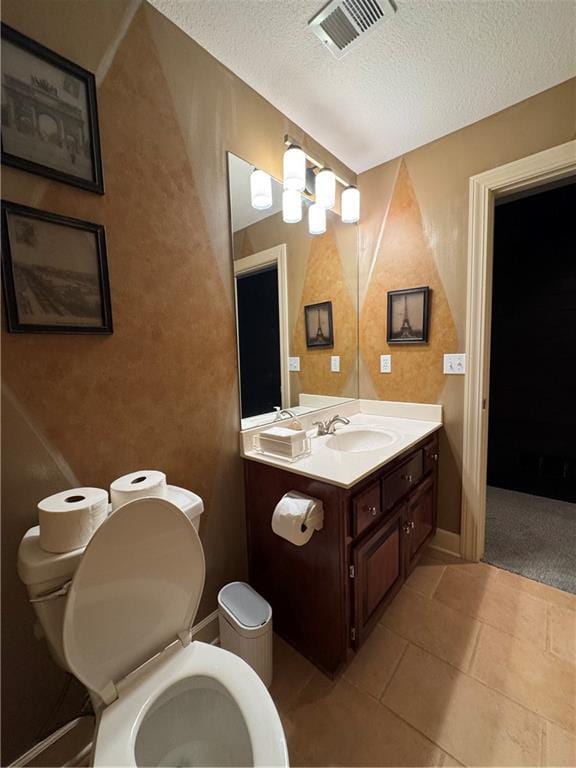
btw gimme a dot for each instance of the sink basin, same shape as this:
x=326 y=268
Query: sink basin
x=358 y=440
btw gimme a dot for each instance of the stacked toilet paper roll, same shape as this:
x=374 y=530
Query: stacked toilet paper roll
x=137 y=485
x=68 y=519
x=296 y=517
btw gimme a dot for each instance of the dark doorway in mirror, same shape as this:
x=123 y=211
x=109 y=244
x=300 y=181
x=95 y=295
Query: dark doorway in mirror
x=259 y=341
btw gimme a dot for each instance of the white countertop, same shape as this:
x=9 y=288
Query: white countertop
x=346 y=468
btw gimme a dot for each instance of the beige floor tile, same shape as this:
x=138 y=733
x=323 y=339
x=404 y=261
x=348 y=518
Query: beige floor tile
x=562 y=632
x=442 y=557
x=335 y=723
x=451 y=762
x=374 y=664
x=473 y=723
x=291 y=673
x=509 y=610
x=534 y=678
x=425 y=577
x=560 y=747
x=444 y=632
x=536 y=589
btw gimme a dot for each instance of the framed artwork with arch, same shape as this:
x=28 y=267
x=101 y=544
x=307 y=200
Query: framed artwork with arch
x=49 y=114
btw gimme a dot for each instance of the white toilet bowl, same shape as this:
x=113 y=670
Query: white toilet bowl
x=199 y=706
x=161 y=699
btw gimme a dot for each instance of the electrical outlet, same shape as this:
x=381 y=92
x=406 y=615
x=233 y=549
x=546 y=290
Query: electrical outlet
x=335 y=363
x=293 y=363
x=385 y=363
x=455 y=363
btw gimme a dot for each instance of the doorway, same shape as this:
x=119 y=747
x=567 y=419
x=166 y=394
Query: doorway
x=531 y=473
x=262 y=322
x=546 y=167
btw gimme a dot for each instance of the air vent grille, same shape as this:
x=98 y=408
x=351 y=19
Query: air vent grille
x=342 y=23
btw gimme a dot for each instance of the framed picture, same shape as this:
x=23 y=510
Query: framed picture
x=49 y=114
x=318 y=324
x=408 y=313
x=55 y=273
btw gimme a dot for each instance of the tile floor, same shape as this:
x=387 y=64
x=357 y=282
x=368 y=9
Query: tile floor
x=470 y=665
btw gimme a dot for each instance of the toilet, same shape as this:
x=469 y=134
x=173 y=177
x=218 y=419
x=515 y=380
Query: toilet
x=122 y=626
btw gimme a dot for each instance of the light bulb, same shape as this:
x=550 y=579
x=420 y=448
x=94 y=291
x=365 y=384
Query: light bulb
x=291 y=206
x=326 y=188
x=350 y=205
x=316 y=219
x=260 y=190
x=294 y=168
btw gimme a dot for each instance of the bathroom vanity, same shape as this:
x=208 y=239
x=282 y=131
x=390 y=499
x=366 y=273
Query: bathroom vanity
x=328 y=594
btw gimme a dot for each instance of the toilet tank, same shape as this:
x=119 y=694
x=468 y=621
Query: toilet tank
x=44 y=573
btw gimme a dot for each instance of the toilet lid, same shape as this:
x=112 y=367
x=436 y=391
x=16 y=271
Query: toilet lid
x=136 y=590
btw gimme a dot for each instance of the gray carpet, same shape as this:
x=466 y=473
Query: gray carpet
x=532 y=536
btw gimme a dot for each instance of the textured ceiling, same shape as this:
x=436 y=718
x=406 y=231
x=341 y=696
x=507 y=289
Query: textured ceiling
x=434 y=67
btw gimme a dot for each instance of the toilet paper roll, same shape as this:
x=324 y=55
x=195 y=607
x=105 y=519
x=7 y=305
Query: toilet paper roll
x=68 y=519
x=137 y=485
x=296 y=517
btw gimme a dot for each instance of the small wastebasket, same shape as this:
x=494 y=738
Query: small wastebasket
x=245 y=620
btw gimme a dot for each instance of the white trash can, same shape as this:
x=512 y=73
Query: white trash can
x=245 y=620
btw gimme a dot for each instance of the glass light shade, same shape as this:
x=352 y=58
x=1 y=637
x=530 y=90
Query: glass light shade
x=260 y=190
x=350 y=205
x=294 y=168
x=326 y=188
x=291 y=206
x=316 y=219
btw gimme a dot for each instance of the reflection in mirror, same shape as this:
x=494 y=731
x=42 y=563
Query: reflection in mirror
x=296 y=306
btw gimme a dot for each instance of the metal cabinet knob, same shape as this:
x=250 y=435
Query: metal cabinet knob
x=411 y=525
x=408 y=478
x=373 y=510
x=406 y=528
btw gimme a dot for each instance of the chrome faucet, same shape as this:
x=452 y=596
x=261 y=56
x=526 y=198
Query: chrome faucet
x=328 y=427
x=283 y=413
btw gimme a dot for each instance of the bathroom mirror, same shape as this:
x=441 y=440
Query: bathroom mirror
x=296 y=305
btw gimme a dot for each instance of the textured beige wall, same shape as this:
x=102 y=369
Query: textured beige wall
x=414 y=232
x=162 y=390
x=320 y=268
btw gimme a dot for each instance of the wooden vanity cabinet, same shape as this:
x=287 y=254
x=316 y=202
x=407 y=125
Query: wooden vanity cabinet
x=327 y=595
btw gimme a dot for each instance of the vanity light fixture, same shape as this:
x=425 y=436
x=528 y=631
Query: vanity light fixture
x=291 y=206
x=326 y=188
x=294 y=168
x=350 y=205
x=316 y=219
x=260 y=190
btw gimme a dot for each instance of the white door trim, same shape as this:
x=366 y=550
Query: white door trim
x=547 y=166
x=277 y=256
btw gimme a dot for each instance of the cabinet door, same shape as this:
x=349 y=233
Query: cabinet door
x=421 y=517
x=378 y=574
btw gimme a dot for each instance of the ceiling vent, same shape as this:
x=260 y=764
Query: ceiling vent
x=342 y=24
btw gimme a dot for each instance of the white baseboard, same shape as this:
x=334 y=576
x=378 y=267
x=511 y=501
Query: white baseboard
x=206 y=630
x=446 y=541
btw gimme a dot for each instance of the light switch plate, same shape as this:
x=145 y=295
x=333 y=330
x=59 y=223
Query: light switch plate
x=335 y=363
x=455 y=363
x=293 y=363
x=385 y=363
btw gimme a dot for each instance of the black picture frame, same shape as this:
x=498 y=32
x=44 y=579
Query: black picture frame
x=61 y=114
x=408 y=316
x=53 y=289
x=318 y=325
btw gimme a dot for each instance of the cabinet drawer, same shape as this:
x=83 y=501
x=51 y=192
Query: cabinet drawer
x=398 y=483
x=430 y=455
x=366 y=508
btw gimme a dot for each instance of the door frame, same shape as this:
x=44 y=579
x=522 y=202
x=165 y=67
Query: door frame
x=544 y=167
x=270 y=257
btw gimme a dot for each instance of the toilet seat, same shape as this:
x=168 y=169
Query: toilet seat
x=121 y=722
x=127 y=637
